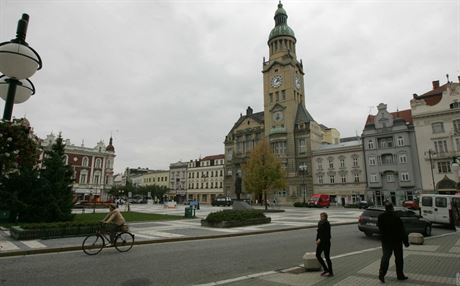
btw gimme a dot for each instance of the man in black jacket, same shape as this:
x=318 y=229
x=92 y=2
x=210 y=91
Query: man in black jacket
x=393 y=236
x=323 y=243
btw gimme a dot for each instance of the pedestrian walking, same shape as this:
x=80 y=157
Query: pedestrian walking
x=393 y=237
x=323 y=244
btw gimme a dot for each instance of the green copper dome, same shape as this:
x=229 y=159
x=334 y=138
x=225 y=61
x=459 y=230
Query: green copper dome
x=281 y=28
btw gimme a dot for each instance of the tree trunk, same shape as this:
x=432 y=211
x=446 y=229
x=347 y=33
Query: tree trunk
x=265 y=200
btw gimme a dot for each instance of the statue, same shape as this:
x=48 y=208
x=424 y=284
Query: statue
x=238 y=186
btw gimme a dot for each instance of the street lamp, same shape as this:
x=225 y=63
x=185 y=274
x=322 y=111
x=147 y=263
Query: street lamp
x=455 y=169
x=303 y=169
x=18 y=62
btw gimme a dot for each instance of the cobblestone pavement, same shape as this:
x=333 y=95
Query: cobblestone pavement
x=435 y=263
x=185 y=228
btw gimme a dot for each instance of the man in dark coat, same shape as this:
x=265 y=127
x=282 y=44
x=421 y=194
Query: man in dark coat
x=323 y=243
x=393 y=236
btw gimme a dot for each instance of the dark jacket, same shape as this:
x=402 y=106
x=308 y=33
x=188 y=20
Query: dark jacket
x=324 y=231
x=391 y=228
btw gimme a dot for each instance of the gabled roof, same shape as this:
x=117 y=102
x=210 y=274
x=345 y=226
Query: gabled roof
x=433 y=96
x=405 y=115
x=258 y=117
x=303 y=115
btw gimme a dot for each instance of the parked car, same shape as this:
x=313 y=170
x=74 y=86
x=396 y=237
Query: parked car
x=319 y=200
x=222 y=201
x=411 y=204
x=413 y=222
x=364 y=204
x=442 y=209
x=137 y=200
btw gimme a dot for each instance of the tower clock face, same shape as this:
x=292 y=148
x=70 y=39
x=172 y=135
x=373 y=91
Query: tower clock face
x=277 y=80
x=278 y=116
x=297 y=82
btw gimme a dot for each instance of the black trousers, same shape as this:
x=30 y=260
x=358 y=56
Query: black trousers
x=387 y=249
x=326 y=247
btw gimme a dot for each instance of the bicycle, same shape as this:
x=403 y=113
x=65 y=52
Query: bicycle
x=94 y=243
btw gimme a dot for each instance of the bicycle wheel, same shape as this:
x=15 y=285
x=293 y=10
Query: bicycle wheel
x=93 y=244
x=124 y=241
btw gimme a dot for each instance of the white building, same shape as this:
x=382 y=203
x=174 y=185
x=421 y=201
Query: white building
x=339 y=171
x=436 y=116
x=205 y=178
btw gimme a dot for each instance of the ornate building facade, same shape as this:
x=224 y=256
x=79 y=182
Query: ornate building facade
x=390 y=151
x=285 y=122
x=436 y=115
x=205 y=178
x=92 y=167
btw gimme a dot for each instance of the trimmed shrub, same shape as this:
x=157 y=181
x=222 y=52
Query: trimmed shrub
x=300 y=205
x=234 y=215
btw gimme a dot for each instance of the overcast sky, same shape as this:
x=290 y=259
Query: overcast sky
x=168 y=79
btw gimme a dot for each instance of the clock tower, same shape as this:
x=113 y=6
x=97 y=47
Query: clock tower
x=287 y=121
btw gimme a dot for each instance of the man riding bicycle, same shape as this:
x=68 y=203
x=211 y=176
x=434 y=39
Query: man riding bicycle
x=115 y=222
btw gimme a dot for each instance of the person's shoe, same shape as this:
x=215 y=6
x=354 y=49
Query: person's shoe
x=324 y=273
x=403 y=278
x=382 y=278
x=329 y=274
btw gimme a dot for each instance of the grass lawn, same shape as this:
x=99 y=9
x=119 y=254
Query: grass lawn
x=129 y=217
x=89 y=218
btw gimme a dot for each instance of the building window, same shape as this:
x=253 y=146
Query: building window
x=437 y=127
x=400 y=141
x=372 y=161
x=83 y=177
x=386 y=142
x=98 y=163
x=302 y=145
x=279 y=148
x=66 y=159
x=320 y=179
x=440 y=146
x=356 y=178
x=370 y=144
x=283 y=94
x=331 y=163
x=355 y=162
x=390 y=178
x=342 y=163
x=344 y=179
x=444 y=167
x=456 y=126
x=85 y=162
x=457 y=142
x=320 y=166
x=404 y=176
x=332 y=179
x=402 y=158
x=373 y=178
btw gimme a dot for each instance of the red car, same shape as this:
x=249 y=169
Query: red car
x=411 y=204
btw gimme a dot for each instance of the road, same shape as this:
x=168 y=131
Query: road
x=179 y=263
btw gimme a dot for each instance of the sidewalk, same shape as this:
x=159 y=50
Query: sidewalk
x=435 y=263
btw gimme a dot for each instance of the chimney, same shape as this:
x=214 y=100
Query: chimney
x=435 y=84
x=248 y=111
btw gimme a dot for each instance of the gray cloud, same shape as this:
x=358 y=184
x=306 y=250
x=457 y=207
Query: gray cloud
x=169 y=78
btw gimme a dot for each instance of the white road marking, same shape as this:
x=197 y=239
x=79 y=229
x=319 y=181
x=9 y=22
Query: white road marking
x=33 y=243
x=6 y=245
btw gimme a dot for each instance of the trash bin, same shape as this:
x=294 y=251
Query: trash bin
x=189 y=212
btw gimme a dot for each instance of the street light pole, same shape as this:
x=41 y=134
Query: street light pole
x=431 y=166
x=18 y=61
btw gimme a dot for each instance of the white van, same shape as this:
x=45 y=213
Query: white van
x=443 y=209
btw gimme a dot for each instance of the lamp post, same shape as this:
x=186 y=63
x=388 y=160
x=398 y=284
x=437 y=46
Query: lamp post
x=303 y=169
x=456 y=170
x=18 y=62
x=430 y=152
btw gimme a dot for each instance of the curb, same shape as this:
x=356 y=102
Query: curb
x=165 y=240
